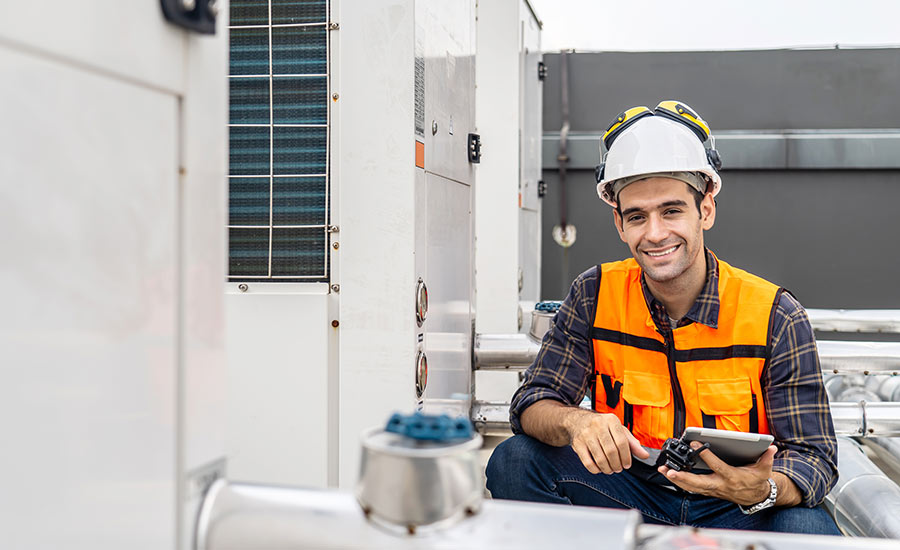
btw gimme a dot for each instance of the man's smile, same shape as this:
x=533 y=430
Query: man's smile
x=661 y=252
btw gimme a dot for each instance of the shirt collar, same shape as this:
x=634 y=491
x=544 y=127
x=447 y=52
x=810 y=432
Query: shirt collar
x=706 y=307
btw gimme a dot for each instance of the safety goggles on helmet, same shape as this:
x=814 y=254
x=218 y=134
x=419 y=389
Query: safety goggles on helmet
x=700 y=158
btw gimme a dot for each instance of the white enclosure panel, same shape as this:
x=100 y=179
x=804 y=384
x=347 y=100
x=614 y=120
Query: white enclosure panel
x=129 y=38
x=448 y=272
x=496 y=195
x=375 y=129
x=497 y=386
x=88 y=209
x=531 y=93
x=531 y=97
x=204 y=251
x=530 y=260
x=446 y=32
x=277 y=347
x=204 y=374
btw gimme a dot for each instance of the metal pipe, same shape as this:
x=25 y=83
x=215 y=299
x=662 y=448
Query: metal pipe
x=237 y=516
x=855 y=320
x=888 y=451
x=866 y=419
x=857 y=419
x=864 y=501
x=517 y=351
x=505 y=351
x=859 y=357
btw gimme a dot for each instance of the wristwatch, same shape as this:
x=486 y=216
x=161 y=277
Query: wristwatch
x=768 y=503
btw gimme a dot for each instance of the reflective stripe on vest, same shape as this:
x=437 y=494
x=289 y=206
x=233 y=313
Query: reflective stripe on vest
x=658 y=384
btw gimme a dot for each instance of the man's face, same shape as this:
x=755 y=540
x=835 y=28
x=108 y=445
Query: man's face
x=662 y=227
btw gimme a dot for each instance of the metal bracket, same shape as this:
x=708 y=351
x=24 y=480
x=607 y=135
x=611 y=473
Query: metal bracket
x=194 y=15
x=474 y=148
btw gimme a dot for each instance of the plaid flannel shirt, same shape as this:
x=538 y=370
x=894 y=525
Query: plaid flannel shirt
x=794 y=393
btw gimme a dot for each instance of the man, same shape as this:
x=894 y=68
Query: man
x=673 y=337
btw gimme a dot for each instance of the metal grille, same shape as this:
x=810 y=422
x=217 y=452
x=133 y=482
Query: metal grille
x=278 y=147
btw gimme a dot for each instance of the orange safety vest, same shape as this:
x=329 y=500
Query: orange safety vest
x=658 y=384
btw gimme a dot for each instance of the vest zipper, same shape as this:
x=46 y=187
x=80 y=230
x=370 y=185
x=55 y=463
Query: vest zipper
x=679 y=421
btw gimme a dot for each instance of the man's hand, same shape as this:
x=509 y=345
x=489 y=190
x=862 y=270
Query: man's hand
x=745 y=485
x=602 y=443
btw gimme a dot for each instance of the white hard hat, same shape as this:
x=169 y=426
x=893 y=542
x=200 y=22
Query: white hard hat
x=670 y=139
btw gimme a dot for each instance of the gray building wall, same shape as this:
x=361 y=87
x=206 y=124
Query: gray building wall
x=830 y=236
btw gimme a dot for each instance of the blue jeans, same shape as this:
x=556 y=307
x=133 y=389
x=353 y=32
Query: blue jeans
x=523 y=468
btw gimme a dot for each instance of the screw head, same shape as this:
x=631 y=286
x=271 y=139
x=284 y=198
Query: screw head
x=334 y=26
x=243 y=287
x=335 y=96
x=335 y=287
x=336 y=245
x=335 y=323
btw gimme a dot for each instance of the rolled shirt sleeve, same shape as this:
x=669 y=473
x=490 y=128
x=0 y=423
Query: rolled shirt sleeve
x=562 y=368
x=797 y=405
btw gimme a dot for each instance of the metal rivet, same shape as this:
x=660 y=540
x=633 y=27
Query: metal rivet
x=433 y=127
x=336 y=324
x=336 y=245
x=243 y=287
x=335 y=287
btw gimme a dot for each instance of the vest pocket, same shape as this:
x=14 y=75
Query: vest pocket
x=728 y=400
x=649 y=394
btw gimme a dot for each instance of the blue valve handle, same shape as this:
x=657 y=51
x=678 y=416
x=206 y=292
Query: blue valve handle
x=549 y=306
x=430 y=427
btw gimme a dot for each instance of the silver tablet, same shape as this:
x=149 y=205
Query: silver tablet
x=735 y=448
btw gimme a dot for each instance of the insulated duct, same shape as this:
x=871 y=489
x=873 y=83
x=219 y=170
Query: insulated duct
x=864 y=501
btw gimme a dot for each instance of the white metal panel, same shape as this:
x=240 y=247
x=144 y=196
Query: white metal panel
x=446 y=30
x=277 y=342
x=496 y=195
x=128 y=40
x=88 y=207
x=202 y=266
x=448 y=272
x=531 y=93
x=374 y=125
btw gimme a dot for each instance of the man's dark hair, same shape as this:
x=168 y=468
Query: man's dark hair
x=698 y=198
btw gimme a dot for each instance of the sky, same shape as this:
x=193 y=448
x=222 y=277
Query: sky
x=654 y=25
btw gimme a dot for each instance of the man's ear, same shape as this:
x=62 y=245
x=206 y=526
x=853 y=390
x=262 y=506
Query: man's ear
x=617 y=220
x=707 y=212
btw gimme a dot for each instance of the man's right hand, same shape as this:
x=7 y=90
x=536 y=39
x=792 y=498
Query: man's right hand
x=601 y=442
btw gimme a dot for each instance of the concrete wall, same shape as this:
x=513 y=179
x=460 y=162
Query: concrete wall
x=830 y=236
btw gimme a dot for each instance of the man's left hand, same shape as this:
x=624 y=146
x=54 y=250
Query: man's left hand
x=745 y=485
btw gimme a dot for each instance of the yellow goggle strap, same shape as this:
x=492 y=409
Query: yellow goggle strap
x=680 y=112
x=623 y=121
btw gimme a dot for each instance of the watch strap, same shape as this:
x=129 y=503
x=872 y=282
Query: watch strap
x=767 y=503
